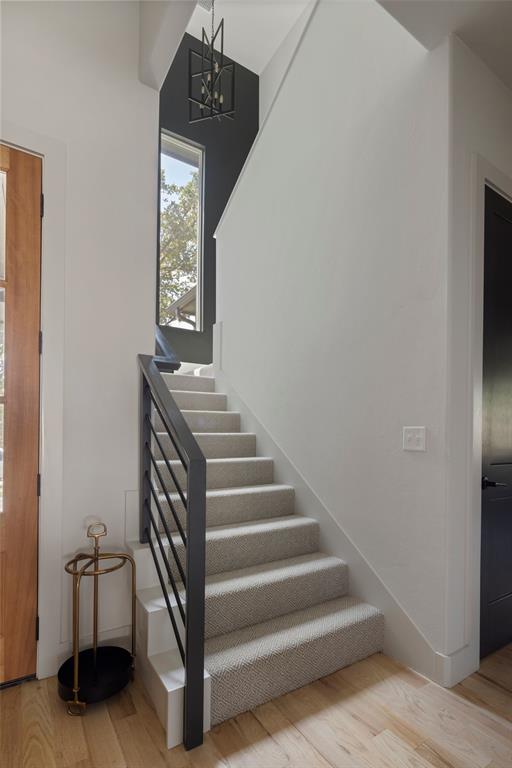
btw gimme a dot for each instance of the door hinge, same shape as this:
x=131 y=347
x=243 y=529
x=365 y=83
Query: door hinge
x=42 y=205
x=37 y=629
x=38 y=484
x=40 y=342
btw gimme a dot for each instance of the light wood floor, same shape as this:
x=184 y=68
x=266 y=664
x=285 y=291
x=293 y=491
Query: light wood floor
x=374 y=714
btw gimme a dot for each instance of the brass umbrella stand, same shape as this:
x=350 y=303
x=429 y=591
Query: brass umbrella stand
x=96 y=673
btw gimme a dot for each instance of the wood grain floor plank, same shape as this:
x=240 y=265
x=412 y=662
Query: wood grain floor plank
x=427 y=751
x=136 y=743
x=69 y=736
x=448 y=719
x=375 y=714
x=243 y=742
x=205 y=756
x=399 y=672
x=37 y=727
x=386 y=750
x=328 y=731
x=142 y=704
x=144 y=708
x=486 y=694
x=498 y=668
x=121 y=705
x=10 y=727
x=367 y=708
x=298 y=750
x=449 y=736
x=484 y=716
x=104 y=748
x=485 y=730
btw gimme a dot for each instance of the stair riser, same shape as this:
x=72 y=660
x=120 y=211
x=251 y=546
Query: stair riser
x=226 y=613
x=158 y=635
x=293 y=668
x=223 y=475
x=239 y=508
x=267 y=601
x=154 y=629
x=246 y=549
x=200 y=401
x=206 y=421
x=169 y=703
x=214 y=446
x=145 y=567
x=189 y=383
x=230 y=553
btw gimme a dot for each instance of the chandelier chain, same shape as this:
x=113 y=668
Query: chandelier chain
x=213 y=22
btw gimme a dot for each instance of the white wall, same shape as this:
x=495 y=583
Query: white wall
x=70 y=91
x=274 y=72
x=481 y=149
x=332 y=269
x=162 y=26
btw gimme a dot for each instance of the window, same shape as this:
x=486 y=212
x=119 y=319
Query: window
x=181 y=196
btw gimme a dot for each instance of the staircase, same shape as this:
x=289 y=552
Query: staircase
x=277 y=611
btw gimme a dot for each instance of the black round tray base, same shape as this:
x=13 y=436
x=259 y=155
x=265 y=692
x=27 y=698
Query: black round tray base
x=112 y=671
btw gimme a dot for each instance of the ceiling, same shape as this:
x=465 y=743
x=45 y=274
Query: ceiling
x=253 y=29
x=484 y=25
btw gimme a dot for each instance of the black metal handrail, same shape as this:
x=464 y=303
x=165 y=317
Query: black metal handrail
x=157 y=401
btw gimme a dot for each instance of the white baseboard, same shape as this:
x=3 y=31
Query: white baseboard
x=452 y=668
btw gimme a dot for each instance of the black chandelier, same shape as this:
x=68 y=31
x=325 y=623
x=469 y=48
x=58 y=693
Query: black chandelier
x=211 y=81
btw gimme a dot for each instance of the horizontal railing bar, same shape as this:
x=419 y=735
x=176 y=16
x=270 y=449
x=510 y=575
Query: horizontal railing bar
x=168 y=568
x=169 y=500
x=173 y=441
x=166 y=597
x=169 y=468
x=171 y=415
x=168 y=533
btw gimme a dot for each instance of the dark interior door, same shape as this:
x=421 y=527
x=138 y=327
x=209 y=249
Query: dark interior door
x=496 y=596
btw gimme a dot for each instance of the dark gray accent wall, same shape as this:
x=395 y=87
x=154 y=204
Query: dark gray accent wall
x=226 y=144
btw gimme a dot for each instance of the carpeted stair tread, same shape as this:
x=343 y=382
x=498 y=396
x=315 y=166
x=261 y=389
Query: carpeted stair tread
x=224 y=473
x=265 y=660
x=214 y=445
x=229 y=506
x=230 y=547
x=199 y=401
x=189 y=383
x=206 y=421
x=236 y=599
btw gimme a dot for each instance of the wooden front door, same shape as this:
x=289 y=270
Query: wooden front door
x=20 y=281
x=496 y=591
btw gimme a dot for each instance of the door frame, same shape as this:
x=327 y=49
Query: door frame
x=50 y=647
x=484 y=174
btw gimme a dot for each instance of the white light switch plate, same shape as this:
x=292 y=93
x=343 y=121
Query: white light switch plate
x=414 y=439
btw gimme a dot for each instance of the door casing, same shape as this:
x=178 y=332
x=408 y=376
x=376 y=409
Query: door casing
x=483 y=174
